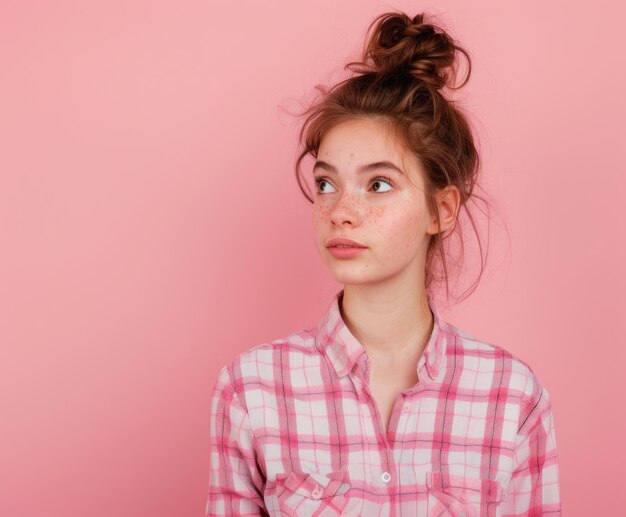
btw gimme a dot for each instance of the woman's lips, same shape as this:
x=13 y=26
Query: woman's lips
x=345 y=252
x=343 y=241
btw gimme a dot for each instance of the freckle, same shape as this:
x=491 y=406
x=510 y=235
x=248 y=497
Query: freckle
x=378 y=212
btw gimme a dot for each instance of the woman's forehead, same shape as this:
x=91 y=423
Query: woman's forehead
x=358 y=142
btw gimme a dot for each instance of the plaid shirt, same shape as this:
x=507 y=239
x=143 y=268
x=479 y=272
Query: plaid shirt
x=295 y=431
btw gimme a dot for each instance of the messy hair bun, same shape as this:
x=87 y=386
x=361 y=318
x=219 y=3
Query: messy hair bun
x=398 y=43
x=407 y=64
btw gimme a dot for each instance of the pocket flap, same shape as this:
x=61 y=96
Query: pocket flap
x=313 y=484
x=464 y=488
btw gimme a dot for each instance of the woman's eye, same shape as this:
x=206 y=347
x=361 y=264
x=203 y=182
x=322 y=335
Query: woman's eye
x=381 y=181
x=319 y=182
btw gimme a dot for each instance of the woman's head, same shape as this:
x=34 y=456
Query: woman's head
x=393 y=109
x=370 y=189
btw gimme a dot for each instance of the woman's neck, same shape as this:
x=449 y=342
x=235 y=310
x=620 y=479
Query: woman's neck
x=393 y=325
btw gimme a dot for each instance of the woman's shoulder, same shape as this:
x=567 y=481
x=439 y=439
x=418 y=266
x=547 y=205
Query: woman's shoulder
x=259 y=362
x=485 y=361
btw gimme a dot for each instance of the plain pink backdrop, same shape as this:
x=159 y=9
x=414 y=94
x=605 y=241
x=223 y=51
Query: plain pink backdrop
x=151 y=228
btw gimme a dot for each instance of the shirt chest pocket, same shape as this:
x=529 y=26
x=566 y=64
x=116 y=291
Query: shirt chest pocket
x=302 y=494
x=450 y=495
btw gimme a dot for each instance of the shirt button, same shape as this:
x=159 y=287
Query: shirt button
x=317 y=493
x=386 y=477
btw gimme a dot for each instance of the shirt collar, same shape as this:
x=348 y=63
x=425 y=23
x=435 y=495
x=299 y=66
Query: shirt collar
x=334 y=339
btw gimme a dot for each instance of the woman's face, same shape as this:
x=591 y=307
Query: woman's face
x=362 y=197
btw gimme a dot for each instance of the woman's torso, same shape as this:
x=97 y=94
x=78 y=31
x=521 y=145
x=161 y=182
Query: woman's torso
x=324 y=449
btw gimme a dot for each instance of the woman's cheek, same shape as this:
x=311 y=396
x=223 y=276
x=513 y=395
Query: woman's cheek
x=403 y=232
x=376 y=213
x=320 y=214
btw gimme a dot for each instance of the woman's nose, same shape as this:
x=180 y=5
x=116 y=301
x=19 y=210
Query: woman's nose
x=347 y=209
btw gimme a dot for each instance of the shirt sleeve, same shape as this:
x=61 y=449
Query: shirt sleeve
x=534 y=486
x=235 y=479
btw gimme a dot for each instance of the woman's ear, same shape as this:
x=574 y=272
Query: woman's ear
x=448 y=203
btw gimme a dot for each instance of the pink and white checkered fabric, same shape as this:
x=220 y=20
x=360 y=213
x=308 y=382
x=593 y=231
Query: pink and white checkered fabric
x=295 y=431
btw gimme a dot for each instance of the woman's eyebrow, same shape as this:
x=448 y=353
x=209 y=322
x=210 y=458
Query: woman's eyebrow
x=363 y=168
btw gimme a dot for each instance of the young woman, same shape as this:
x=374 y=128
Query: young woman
x=381 y=407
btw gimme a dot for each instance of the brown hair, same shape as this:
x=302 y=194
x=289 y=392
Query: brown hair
x=406 y=63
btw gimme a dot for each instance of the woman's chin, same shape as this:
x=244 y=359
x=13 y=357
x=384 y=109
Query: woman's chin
x=347 y=275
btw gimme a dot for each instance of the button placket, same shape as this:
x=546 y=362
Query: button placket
x=366 y=417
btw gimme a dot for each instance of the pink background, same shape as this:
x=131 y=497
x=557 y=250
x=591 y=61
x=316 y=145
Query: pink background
x=151 y=228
